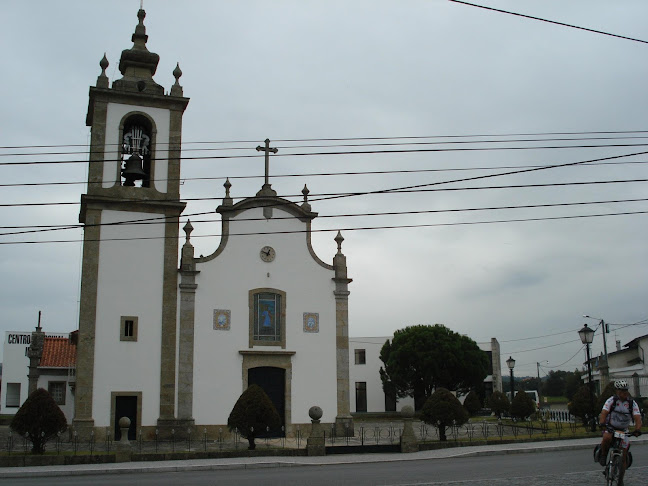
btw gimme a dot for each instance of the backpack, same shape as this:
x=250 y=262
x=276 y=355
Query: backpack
x=616 y=400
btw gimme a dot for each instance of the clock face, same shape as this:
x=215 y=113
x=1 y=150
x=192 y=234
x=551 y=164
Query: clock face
x=267 y=254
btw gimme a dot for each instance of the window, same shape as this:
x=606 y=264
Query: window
x=128 y=328
x=13 y=395
x=360 y=357
x=361 y=396
x=268 y=311
x=57 y=390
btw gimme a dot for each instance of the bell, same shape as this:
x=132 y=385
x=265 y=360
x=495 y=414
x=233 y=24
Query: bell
x=133 y=170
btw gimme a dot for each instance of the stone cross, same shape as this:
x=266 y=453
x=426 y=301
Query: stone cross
x=267 y=149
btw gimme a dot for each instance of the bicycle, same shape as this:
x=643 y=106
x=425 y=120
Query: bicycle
x=614 y=467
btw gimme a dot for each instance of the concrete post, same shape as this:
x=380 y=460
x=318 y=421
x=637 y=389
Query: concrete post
x=408 y=441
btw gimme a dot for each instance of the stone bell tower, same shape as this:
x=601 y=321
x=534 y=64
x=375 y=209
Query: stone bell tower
x=127 y=324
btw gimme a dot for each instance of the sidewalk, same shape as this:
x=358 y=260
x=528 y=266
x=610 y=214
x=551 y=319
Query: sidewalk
x=263 y=462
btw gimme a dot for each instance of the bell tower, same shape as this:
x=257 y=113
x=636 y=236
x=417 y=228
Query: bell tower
x=126 y=362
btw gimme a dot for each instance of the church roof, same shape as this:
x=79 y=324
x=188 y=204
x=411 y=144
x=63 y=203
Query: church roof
x=58 y=352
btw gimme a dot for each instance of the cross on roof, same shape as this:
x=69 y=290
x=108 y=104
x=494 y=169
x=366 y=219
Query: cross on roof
x=267 y=149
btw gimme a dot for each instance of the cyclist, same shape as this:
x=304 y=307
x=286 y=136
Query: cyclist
x=617 y=414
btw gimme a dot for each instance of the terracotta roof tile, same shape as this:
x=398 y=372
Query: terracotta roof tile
x=58 y=353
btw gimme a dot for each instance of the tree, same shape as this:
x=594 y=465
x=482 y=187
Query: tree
x=39 y=419
x=554 y=385
x=472 y=403
x=442 y=410
x=581 y=405
x=422 y=358
x=573 y=382
x=607 y=392
x=499 y=403
x=522 y=407
x=253 y=412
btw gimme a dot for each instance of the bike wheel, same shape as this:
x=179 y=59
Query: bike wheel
x=615 y=471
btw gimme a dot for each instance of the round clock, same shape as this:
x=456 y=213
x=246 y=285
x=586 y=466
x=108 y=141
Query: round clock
x=267 y=254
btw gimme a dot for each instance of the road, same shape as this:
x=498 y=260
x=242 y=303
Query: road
x=564 y=468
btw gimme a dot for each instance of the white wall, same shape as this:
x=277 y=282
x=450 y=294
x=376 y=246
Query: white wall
x=14 y=367
x=129 y=284
x=224 y=283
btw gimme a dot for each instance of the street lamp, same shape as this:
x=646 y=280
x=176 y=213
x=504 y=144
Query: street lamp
x=605 y=328
x=511 y=364
x=587 y=336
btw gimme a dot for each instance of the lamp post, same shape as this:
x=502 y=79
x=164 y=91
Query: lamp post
x=511 y=364
x=587 y=336
x=605 y=371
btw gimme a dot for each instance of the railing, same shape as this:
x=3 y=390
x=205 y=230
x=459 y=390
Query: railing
x=556 y=422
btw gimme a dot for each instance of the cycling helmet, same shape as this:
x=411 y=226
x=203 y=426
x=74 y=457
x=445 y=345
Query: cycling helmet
x=621 y=385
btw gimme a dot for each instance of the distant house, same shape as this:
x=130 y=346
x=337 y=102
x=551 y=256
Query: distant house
x=628 y=362
x=367 y=393
x=55 y=369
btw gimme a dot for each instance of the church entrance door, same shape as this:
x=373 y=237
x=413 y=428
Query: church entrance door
x=273 y=382
x=126 y=406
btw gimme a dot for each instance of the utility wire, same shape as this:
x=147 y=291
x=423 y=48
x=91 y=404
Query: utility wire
x=344 y=152
x=322 y=174
x=339 y=145
x=550 y=21
x=335 y=195
x=364 y=228
x=348 y=215
x=342 y=139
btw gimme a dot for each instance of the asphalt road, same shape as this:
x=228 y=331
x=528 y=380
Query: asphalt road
x=565 y=468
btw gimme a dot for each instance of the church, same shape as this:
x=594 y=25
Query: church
x=169 y=339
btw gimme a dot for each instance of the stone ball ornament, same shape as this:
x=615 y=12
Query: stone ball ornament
x=124 y=423
x=407 y=411
x=315 y=412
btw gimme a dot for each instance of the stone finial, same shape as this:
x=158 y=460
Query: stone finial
x=176 y=89
x=188 y=228
x=339 y=239
x=227 y=200
x=305 y=205
x=102 y=79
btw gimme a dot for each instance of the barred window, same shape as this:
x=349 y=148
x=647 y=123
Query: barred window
x=57 y=390
x=13 y=395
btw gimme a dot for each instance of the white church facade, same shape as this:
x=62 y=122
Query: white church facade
x=174 y=348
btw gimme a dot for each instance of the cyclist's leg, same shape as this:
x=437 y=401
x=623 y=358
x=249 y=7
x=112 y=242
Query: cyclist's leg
x=605 y=446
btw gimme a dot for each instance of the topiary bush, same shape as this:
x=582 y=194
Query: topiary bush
x=442 y=410
x=472 y=403
x=39 y=419
x=522 y=407
x=499 y=403
x=253 y=412
x=581 y=405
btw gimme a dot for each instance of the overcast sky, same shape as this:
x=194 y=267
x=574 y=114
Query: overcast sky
x=311 y=71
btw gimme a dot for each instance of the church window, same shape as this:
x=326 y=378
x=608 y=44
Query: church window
x=361 y=396
x=136 y=151
x=360 y=357
x=128 y=328
x=13 y=395
x=268 y=310
x=57 y=390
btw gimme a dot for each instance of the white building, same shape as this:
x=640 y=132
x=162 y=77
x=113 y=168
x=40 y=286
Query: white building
x=367 y=393
x=56 y=361
x=174 y=348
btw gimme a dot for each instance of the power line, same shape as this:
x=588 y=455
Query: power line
x=372 y=144
x=364 y=228
x=324 y=174
x=46 y=228
x=335 y=195
x=341 y=139
x=550 y=21
x=345 y=152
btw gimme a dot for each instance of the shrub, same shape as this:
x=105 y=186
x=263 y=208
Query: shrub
x=442 y=410
x=607 y=392
x=253 y=412
x=499 y=403
x=472 y=403
x=39 y=419
x=522 y=407
x=581 y=405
